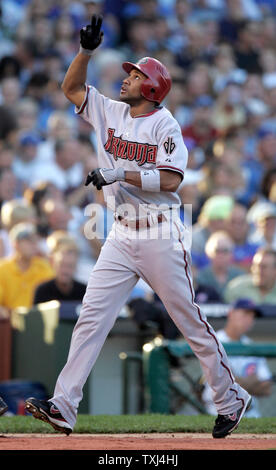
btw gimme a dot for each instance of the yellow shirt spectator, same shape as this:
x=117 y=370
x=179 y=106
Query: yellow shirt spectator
x=21 y=273
x=16 y=286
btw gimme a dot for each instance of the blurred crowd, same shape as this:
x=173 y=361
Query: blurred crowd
x=222 y=58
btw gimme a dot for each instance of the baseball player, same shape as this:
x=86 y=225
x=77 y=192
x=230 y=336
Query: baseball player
x=142 y=160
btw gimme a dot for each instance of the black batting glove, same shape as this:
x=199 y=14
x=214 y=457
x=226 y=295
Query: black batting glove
x=91 y=35
x=95 y=178
x=104 y=176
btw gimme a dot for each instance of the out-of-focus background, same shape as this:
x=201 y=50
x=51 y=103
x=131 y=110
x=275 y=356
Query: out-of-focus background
x=222 y=58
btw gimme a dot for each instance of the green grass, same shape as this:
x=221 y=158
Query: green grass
x=148 y=423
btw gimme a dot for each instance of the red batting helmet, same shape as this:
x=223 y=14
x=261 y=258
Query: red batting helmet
x=158 y=82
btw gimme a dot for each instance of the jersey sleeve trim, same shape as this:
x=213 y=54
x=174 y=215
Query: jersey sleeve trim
x=85 y=101
x=167 y=167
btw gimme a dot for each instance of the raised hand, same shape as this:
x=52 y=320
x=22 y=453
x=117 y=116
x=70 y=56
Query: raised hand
x=91 y=35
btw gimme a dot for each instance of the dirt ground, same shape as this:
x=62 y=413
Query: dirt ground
x=176 y=441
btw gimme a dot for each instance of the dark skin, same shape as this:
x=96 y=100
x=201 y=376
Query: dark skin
x=73 y=87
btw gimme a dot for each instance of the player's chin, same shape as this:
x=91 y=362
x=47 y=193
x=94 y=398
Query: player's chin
x=132 y=101
x=124 y=97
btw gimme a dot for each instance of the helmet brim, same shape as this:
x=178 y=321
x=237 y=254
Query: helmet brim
x=128 y=66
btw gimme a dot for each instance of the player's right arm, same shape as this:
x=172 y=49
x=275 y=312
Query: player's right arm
x=73 y=85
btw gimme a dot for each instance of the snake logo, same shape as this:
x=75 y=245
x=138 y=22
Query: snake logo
x=169 y=146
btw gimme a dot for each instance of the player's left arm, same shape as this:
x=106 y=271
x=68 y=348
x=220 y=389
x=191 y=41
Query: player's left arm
x=169 y=180
x=148 y=180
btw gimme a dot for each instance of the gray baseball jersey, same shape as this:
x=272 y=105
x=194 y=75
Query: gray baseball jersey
x=135 y=144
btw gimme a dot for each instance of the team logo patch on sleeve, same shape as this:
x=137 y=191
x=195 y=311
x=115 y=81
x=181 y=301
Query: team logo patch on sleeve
x=169 y=145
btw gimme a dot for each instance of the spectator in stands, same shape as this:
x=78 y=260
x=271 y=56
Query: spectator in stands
x=11 y=186
x=204 y=293
x=64 y=32
x=266 y=152
x=10 y=91
x=13 y=212
x=229 y=112
x=6 y=155
x=58 y=239
x=260 y=284
x=82 y=195
x=213 y=215
x=219 y=250
x=111 y=27
x=63 y=287
x=109 y=72
x=247 y=53
x=252 y=373
x=222 y=177
x=177 y=21
x=224 y=67
x=189 y=194
x=36 y=88
x=26 y=161
x=244 y=172
x=65 y=171
x=26 y=111
x=269 y=178
x=139 y=36
x=56 y=214
x=59 y=216
x=59 y=126
x=24 y=270
x=36 y=196
x=238 y=227
x=8 y=126
x=201 y=128
x=257 y=110
x=9 y=67
x=7 y=185
x=264 y=218
x=271 y=98
x=151 y=313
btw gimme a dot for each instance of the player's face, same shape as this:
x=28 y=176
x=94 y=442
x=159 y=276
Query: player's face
x=131 y=88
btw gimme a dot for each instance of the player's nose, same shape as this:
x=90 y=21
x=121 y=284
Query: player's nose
x=126 y=81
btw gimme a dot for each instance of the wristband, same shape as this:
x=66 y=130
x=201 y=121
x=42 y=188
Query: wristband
x=86 y=51
x=111 y=175
x=150 y=180
x=120 y=174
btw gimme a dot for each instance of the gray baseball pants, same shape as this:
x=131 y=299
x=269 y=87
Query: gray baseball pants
x=165 y=264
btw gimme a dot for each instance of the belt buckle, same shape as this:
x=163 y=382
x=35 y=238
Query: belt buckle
x=138 y=224
x=142 y=223
x=155 y=220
